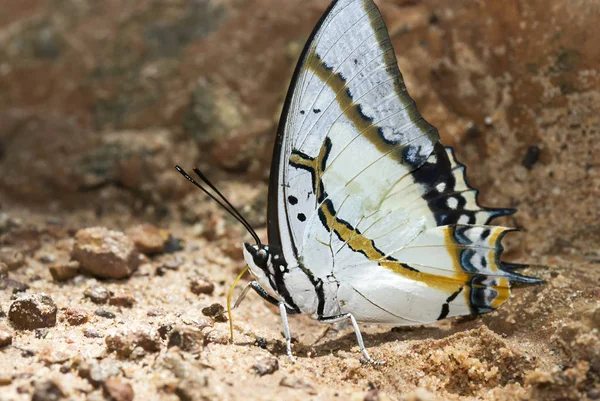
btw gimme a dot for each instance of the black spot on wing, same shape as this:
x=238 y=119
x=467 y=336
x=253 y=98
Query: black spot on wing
x=446 y=305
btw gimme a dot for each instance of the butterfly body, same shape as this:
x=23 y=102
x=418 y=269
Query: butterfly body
x=370 y=217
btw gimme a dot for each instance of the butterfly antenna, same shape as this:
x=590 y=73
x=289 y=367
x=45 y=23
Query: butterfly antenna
x=223 y=202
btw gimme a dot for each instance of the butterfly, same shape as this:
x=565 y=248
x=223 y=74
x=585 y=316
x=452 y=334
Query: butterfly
x=369 y=216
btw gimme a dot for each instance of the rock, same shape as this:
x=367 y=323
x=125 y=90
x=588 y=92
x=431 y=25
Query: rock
x=118 y=390
x=65 y=271
x=201 y=285
x=189 y=339
x=16 y=286
x=92 y=333
x=122 y=299
x=12 y=258
x=171 y=264
x=124 y=341
x=104 y=253
x=173 y=244
x=76 y=317
x=216 y=311
x=33 y=311
x=98 y=372
x=97 y=294
x=147 y=238
x=105 y=313
x=266 y=365
x=47 y=390
x=5 y=337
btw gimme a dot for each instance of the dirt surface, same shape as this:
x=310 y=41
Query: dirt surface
x=98 y=102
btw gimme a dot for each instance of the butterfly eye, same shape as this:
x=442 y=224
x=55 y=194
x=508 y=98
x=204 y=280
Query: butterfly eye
x=261 y=257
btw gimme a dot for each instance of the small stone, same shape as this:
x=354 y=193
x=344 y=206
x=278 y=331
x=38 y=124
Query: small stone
x=12 y=258
x=91 y=333
x=122 y=299
x=104 y=253
x=189 y=339
x=98 y=372
x=41 y=333
x=105 y=314
x=47 y=390
x=172 y=245
x=261 y=342
x=266 y=365
x=147 y=238
x=200 y=285
x=118 y=390
x=33 y=311
x=64 y=272
x=47 y=259
x=97 y=294
x=17 y=286
x=124 y=341
x=5 y=337
x=215 y=336
x=76 y=317
x=214 y=311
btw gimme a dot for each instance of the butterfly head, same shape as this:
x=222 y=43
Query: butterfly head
x=265 y=263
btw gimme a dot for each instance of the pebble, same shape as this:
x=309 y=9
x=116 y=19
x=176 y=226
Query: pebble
x=91 y=333
x=124 y=341
x=64 y=271
x=105 y=313
x=97 y=372
x=189 y=339
x=76 y=317
x=47 y=390
x=171 y=264
x=97 y=294
x=147 y=238
x=266 y=365
x=200 y=285
x=122 y=299
x=33 y=311
x=118 y=390
x=5 y=337
x=12 y=258
x=104 y=253
x=173 y=244
x=16 y=286
x=216 y=311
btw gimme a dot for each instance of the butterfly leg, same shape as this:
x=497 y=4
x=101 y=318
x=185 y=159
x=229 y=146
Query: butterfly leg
x=286 y=330
x=259 y=290
x=361 y=344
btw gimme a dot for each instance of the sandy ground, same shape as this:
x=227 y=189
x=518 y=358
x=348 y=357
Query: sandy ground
x=543 y=344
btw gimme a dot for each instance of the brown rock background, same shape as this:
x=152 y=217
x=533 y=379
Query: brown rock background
x=99 y=100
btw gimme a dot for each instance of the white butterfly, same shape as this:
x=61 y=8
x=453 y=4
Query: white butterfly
x=369 y=217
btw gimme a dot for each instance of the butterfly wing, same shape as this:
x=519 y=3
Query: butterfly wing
x=363 y=191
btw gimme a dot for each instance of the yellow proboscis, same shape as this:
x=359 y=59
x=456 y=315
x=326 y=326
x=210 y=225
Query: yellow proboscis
x=237 y=279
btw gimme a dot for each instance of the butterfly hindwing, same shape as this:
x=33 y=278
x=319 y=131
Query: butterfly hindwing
x=365 y=196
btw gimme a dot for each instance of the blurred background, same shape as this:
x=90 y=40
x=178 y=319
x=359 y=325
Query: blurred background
x=99 y=100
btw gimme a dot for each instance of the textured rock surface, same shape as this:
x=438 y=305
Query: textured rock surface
x=32 y=311
x=104 y=253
